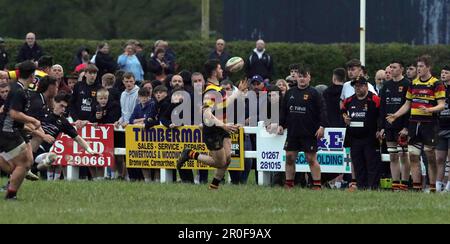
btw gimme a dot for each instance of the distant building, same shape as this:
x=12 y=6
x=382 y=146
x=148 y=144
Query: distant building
x=331 y=21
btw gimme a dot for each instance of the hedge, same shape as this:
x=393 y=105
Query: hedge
x=322 y=59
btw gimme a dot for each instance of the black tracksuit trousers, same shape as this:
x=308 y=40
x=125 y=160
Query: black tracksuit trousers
x=365 y=163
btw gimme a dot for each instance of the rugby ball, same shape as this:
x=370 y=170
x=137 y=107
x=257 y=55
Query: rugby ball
x=235 y=64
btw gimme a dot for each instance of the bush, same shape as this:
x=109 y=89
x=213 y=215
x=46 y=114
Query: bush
x=322 y=59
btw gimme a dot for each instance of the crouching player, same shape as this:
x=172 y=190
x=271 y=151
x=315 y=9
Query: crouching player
x=54 y=124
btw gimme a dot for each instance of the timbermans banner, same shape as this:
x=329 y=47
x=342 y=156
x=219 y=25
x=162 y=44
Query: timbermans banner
x=160 y=147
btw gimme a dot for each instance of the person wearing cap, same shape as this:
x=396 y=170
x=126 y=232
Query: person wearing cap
x=57 y=72
x=354 y=70
x=393 y=97
x=4 y=58
x=303 y=114
x=425 y=99
x=443 y=146
x=258 y=84
x=360 y=113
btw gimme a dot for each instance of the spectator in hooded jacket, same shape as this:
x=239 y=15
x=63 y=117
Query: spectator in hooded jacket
x=128 y=100
x=260 y=62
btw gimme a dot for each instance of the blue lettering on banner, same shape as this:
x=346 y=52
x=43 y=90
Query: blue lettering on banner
x=270 y=155
x=270 y=166
x=334 y=144
x=324 y=159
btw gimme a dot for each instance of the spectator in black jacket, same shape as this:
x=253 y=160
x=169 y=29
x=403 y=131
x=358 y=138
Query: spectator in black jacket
x=30 y=50
x=107 y=111
x=219 y=53
x=104 y=61
x=4 y=58
x=260 y=62
x=84 y=98
x=332 y=97
x=163 y=109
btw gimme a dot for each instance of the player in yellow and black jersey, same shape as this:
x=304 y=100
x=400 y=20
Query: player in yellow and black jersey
x=44 y=65
x=216 y=130
x=425 y=99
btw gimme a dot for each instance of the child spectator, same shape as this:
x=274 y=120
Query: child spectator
x=107 y=112
x=145 y=107
x=162 y=109
x=149 y=87
x=165 y=104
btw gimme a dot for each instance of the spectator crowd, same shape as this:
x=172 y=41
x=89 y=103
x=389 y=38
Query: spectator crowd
x=402 y=111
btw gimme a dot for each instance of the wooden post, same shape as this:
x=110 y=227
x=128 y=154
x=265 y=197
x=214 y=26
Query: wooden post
x=205 y=19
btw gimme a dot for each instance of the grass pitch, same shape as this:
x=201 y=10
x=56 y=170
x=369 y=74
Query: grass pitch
x=122 y=202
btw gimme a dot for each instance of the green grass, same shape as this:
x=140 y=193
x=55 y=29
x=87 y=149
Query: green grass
x=121 y=202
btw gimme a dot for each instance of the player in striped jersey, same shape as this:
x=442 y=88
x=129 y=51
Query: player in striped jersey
x=216 y=130
x=425 y=98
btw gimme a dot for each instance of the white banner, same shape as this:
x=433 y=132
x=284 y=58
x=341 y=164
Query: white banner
x=332 y=155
